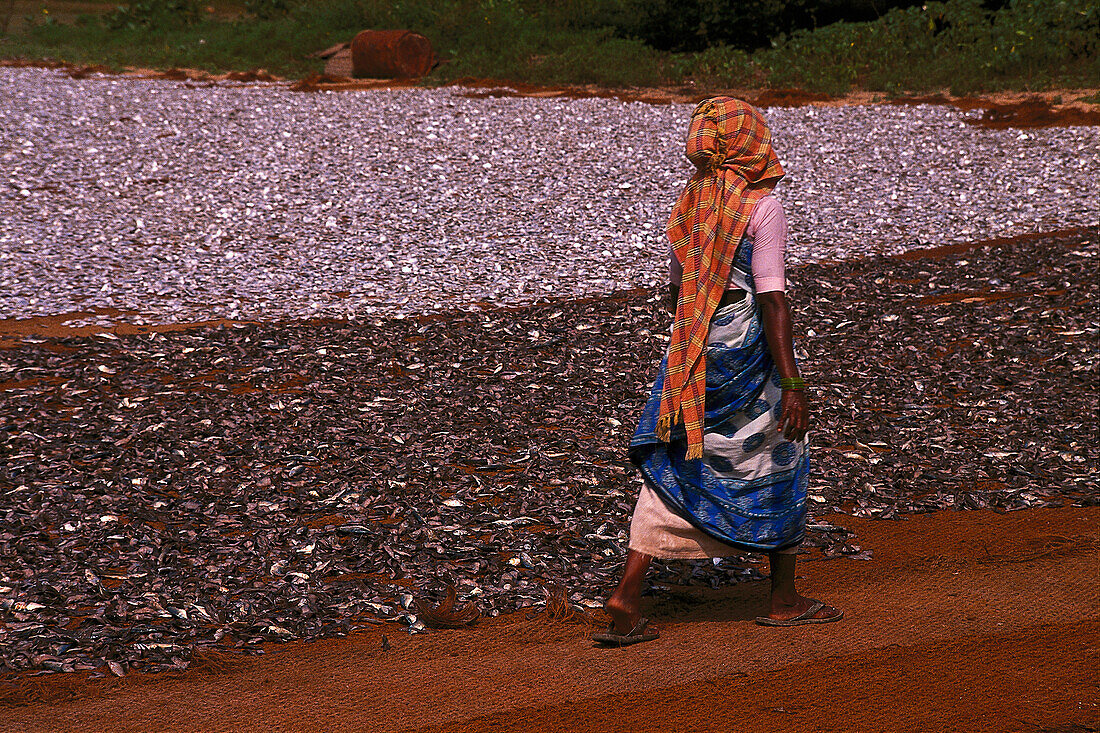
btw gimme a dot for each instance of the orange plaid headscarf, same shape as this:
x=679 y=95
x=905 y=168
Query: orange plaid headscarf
x=730 y=145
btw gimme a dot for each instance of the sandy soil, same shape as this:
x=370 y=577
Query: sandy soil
x=963 y=621
x=1057 y=99
x=1051 y=108
x=13 y=329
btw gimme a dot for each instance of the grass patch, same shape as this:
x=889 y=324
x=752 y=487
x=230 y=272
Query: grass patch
x=959 y=45
x=281 y=45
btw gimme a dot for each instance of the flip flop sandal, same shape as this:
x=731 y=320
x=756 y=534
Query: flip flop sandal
x=806 y=617
x=637 y=635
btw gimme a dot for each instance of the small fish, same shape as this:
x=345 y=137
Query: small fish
x=385 y=643
x=19 y=606
x=354 y=529
x=163 y=647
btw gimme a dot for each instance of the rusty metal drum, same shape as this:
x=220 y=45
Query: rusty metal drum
x=391 y=54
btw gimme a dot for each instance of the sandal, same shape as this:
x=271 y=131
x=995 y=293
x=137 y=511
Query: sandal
x=637 y=635
x=806 y=617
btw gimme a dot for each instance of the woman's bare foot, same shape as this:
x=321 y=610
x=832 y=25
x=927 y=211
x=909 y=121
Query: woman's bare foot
x=624 y=615
x=786 y=602
x=625 y=604
x=786 y=608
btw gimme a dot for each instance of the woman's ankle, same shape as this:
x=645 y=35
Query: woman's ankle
x=785 y=598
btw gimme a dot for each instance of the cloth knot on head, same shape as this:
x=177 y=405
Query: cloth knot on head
x=707 y=152
x=729 y=134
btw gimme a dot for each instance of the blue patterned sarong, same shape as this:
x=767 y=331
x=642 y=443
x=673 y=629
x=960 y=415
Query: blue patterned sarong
x=749 y=489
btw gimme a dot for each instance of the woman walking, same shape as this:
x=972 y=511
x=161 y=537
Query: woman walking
x=721 y=441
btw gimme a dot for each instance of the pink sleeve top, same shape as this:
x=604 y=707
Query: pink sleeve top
x=768 y=229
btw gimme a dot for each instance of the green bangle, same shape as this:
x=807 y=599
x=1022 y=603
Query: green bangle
x=792 y=383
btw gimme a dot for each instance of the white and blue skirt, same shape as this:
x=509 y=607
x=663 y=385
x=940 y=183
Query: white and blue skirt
x=748 y=491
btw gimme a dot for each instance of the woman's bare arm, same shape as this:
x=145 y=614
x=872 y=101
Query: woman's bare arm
x=776 y=317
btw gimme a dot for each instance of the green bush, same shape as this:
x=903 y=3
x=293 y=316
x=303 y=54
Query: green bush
x=161 y=14
x=695 y=25
x=606 y=61
x=718 y=66
x=268 y=9
x=957 y=44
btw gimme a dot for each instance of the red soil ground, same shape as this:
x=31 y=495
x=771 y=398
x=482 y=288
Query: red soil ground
x=1056 y=108
x=1053 y=109
x=963 y=621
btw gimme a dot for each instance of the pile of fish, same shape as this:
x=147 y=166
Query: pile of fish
x=170 y=202
x=232 y=486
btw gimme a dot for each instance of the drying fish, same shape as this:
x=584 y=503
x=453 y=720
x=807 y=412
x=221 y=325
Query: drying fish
x=256 y=242
x=219 y=545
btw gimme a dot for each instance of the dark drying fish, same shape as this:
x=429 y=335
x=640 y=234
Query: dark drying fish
x=353 y=529
x=149 y=512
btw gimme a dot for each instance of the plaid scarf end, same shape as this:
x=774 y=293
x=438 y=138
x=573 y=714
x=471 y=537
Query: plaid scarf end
x=695 y=442
x=664 y=428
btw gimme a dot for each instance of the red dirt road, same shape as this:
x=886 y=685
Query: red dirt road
x=963 y=621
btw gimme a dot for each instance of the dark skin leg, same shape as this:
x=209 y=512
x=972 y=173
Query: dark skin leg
x=624 y=605
x=786 y=603
x=775 y=315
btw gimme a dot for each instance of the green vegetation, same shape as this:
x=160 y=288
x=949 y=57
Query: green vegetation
x=957 y=44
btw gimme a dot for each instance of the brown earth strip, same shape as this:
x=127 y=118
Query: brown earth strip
x=981 y=296
x=1002 y=109
x=12 y=330
x=1031 y=680
x=1034 y=113
x=1054 y=108
x=1007 y=110
x=955 y=249
x=972 y=621
x=83 y=71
